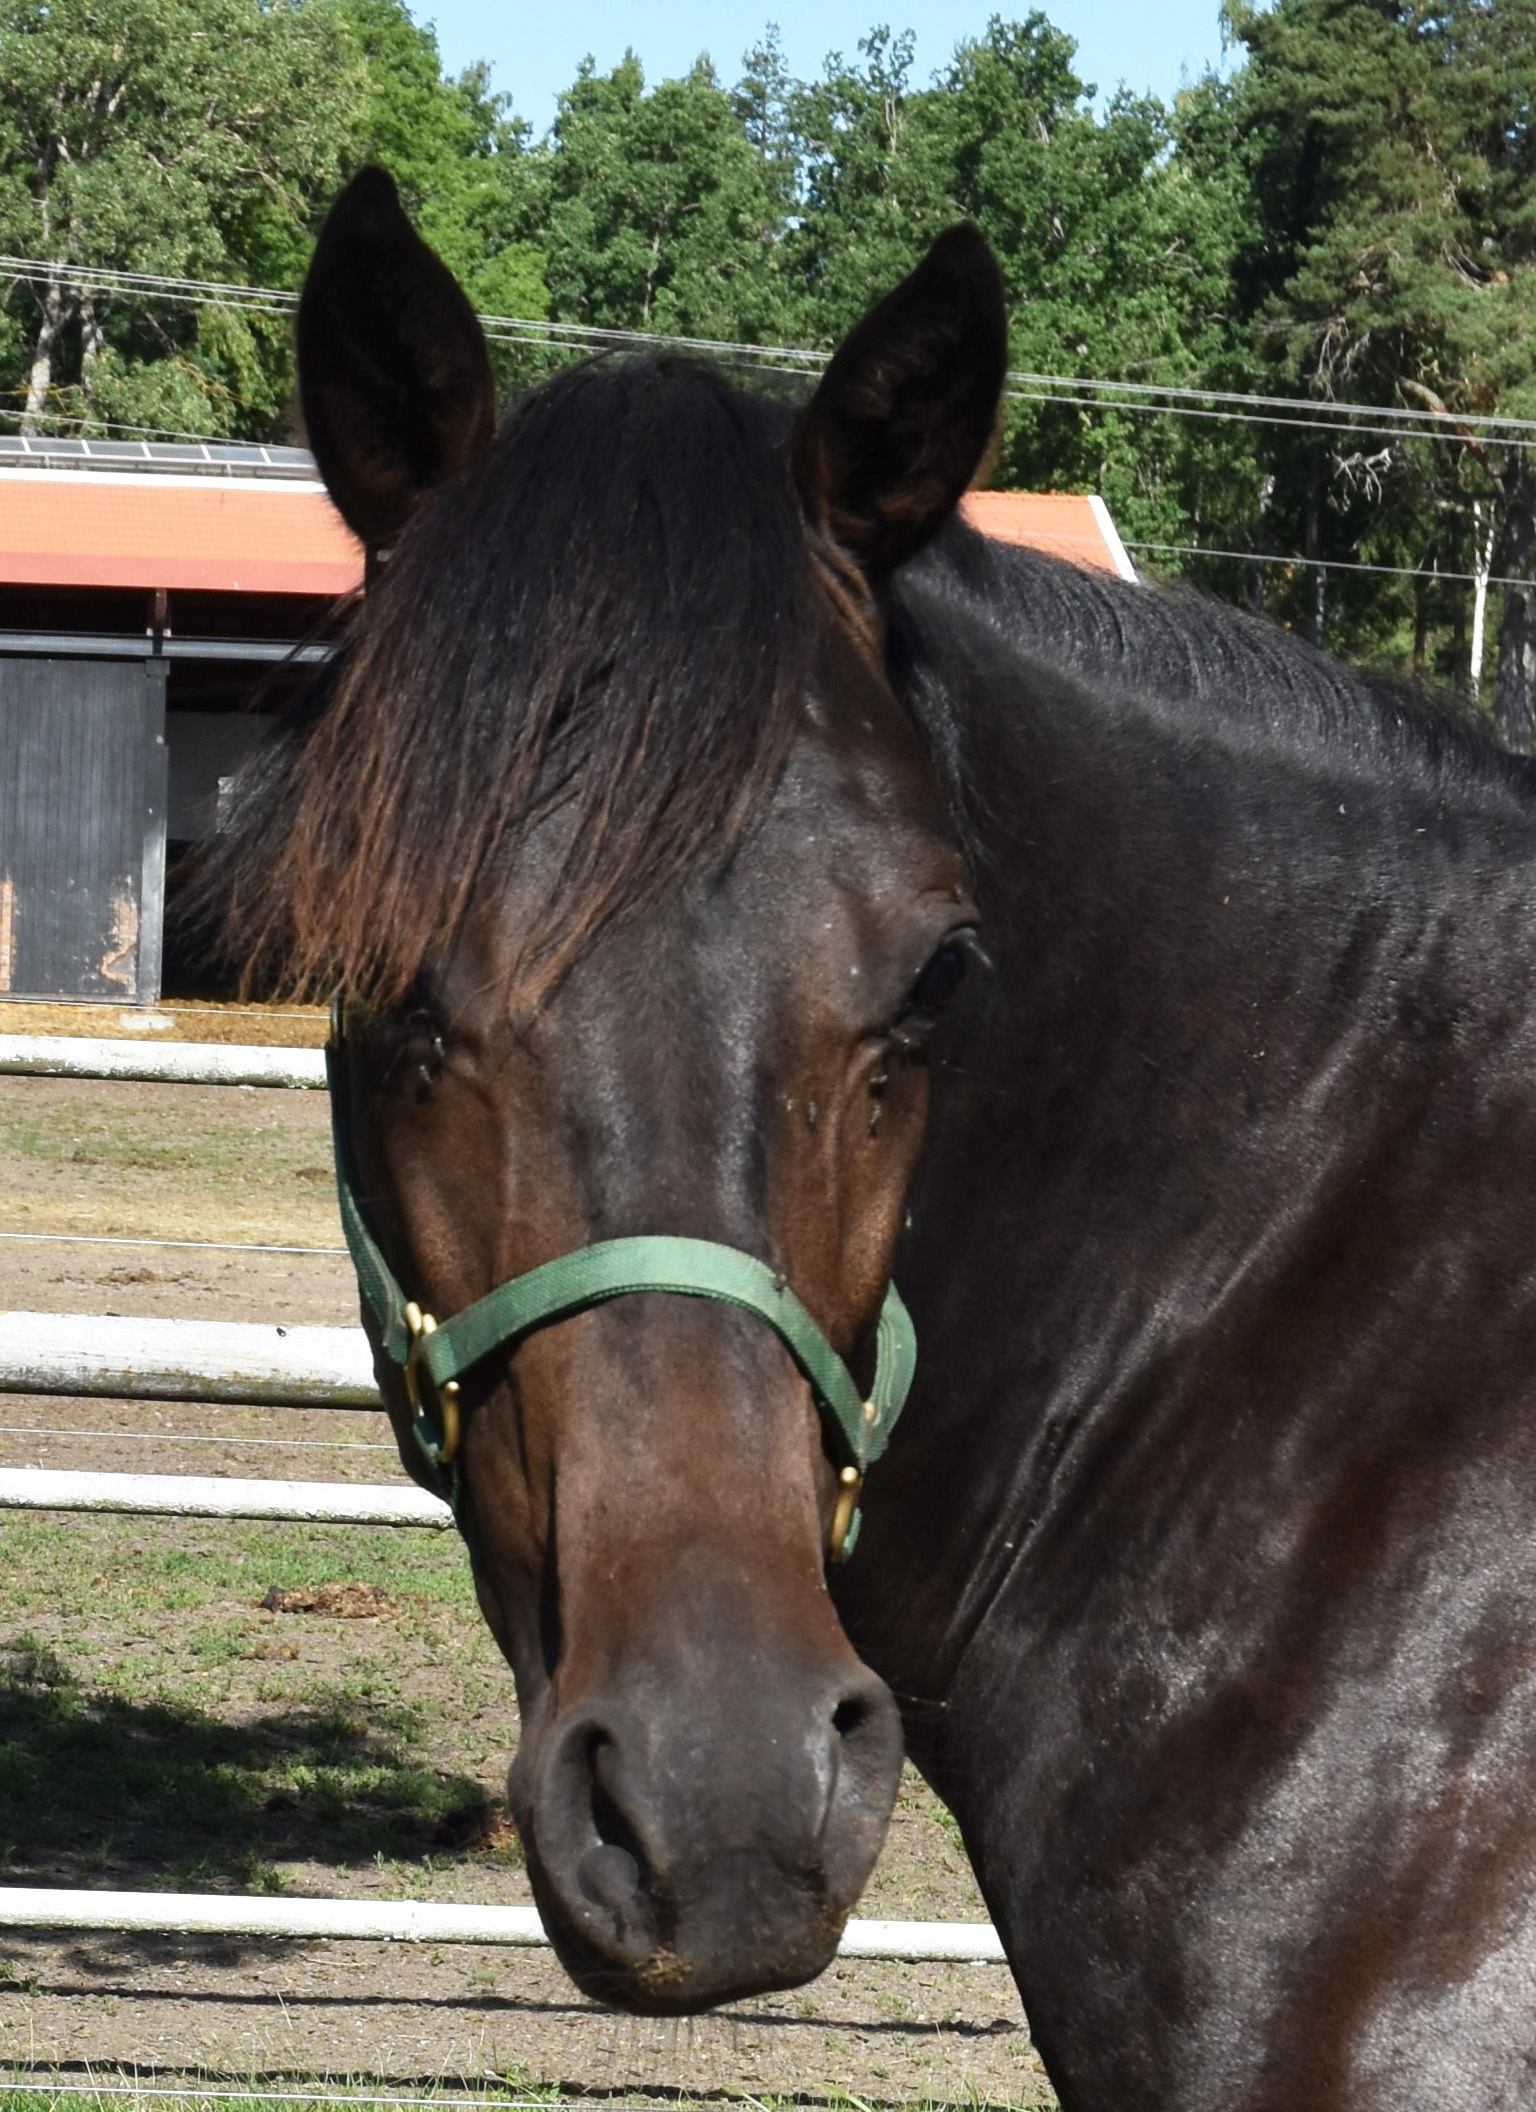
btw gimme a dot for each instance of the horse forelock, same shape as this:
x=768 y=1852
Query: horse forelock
x=615 y=611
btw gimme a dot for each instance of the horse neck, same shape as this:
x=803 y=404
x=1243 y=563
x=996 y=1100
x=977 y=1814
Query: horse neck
x=1240 y=961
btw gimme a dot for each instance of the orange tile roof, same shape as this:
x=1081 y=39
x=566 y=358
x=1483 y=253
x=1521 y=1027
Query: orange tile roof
x=1064 y=524
x=270 y=536
x=245 y=535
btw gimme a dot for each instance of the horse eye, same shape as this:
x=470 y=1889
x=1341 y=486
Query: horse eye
x=424 y=1036
x=941 y=978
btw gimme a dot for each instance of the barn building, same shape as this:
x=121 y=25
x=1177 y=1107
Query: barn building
x=158 y=603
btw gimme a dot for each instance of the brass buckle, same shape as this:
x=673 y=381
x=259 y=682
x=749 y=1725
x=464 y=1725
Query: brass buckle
x=415 y=1370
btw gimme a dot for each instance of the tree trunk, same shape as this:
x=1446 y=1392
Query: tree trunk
x=1256 y=579
x=1314 y=539
x=1515 y=711
x=92 y=338
x=1482 y=566
x=40 y=380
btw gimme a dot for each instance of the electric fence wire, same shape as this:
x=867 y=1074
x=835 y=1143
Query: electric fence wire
x=746 y=357
x=1445 y=429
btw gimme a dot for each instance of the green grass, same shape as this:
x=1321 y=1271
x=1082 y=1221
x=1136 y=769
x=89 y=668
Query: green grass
x=186 y=1161
x=146 y=1744
x=158 y=1726
x=120 y=1783
x=100 y=1133
x=145 y=1569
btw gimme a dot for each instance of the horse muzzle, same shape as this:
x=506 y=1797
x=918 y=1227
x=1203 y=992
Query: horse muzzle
x=683 y=1857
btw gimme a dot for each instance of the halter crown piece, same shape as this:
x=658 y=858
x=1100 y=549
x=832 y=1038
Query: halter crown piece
x=434 y=1355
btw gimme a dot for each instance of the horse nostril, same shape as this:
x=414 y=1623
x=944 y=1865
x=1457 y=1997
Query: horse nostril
x=609 y=1875
x=863 y=1768
x=849 y=1715
x=614 y=1868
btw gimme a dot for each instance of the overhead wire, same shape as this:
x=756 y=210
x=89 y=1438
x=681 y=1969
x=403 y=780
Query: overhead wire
x=1298 y=424
x=1307 y=414
x=1322 y=564
x=1384 y=422
x=1481 y=421
x=112 y=425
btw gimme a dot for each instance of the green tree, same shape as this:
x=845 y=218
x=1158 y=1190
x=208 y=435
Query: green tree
x=187 y=137
x=763 y=102
x=1387 y=149
x=662 y=213
x=1115 y=236
x=461 y=158
x=872 y=197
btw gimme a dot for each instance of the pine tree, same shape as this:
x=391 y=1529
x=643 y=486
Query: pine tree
x=1393 y=231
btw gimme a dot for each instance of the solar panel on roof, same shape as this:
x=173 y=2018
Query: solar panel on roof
x=183 y=457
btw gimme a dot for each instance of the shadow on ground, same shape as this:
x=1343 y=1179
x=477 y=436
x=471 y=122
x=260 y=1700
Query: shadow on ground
x=93 y=1786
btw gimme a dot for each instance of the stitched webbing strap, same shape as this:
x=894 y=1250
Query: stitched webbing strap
x=618 y=1268
x=689 y=1268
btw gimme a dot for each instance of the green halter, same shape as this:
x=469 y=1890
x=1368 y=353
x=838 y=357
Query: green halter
x=858 y=1430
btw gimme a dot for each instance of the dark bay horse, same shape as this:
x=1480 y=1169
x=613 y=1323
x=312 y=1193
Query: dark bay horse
x=713 y=839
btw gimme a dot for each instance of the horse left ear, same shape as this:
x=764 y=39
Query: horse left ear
x=394 y=376
x=905 y=412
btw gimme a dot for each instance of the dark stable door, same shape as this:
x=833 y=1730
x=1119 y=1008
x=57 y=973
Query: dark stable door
x=82 y=828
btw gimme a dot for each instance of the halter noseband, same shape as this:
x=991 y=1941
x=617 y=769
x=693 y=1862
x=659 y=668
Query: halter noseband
x=433 y=1356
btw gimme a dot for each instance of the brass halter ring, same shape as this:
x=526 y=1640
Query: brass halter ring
x=414 y=1370
x=849 y=1483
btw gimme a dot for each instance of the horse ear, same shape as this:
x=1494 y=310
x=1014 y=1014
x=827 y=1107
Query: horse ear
x=394 y=376
x=905 y=412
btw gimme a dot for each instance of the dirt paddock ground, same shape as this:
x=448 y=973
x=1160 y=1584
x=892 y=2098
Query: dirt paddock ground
x=192 y=1705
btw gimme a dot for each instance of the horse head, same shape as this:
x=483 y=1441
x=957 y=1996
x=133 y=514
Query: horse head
x=646 y=901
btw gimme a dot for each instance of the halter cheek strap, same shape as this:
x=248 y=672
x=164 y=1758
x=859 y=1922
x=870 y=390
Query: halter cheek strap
x=434 y=1355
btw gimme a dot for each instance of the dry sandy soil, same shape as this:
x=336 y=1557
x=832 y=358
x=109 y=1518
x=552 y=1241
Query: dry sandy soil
x=161 y=1726
x=279 y=1026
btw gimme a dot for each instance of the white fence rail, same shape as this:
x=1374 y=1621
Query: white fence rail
x=186 y=1360
x=160 y=1063
x=221 y=1496
x=413 y=1921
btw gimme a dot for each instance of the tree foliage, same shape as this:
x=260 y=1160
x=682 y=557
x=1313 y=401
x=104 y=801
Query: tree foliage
x=1349 y=218
x=1386 y=257
x=163 y=137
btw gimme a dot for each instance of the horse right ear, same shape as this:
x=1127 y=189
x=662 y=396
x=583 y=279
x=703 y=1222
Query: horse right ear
x=904 y=414
x=394 y=376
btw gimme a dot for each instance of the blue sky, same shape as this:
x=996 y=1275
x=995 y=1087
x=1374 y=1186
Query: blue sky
x=535 y=50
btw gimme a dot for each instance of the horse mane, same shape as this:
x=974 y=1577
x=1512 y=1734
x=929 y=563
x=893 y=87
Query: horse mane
x=1213 y=671
x=614 y=613
x=611 y=613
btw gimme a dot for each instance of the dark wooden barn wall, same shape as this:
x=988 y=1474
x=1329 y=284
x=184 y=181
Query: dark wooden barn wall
x=82 y=827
